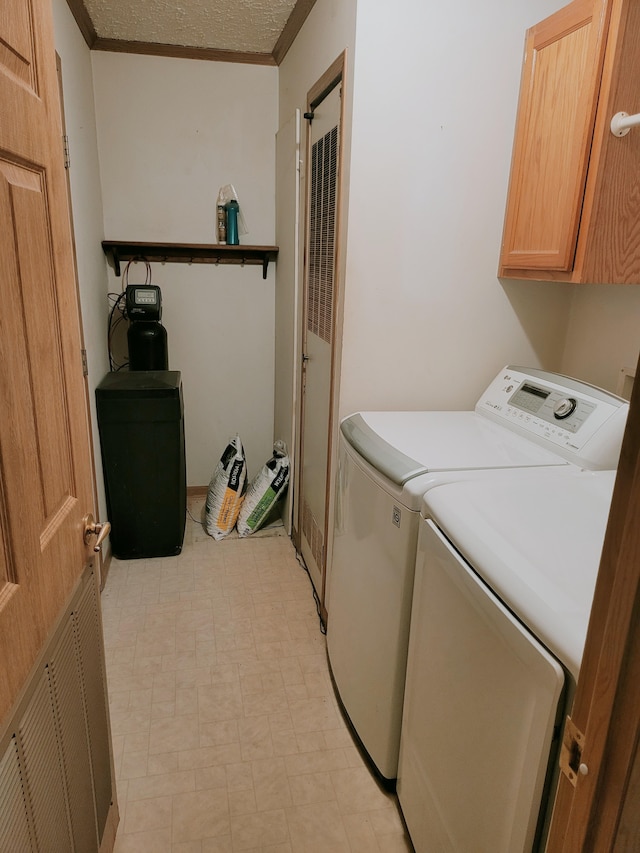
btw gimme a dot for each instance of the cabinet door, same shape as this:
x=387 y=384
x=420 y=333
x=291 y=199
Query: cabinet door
x=556 y=114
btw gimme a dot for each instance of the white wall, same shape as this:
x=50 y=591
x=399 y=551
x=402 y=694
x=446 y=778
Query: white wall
x=86 y=202
x=431 y=97
x=170 y=133
x=604 y=333
x=427 y=323
x=327 y=32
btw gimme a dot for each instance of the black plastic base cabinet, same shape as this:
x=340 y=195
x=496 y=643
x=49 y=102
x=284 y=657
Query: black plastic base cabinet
x=141 y=426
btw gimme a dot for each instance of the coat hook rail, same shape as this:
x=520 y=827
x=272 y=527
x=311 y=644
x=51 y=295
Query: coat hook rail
x=622 y=123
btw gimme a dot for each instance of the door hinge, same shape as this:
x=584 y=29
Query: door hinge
x=65 y=150
x=571 y=762
x=85 y=366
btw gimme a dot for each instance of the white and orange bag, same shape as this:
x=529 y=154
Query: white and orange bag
x=226 y=491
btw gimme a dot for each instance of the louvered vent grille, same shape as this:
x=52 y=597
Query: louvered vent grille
x=322 y=238
x=86 y=624
x=14 y=821
x=313 y=534
x=67 y=696
x=55 y=774
x=43 y=775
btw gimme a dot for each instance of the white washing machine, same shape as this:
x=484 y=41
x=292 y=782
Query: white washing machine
x=526 y=418
x=505 y=575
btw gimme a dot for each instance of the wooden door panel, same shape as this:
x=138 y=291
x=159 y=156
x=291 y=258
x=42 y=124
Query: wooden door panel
x=39 y=310
x=547 y=198
x=16 y=43
x=558 y=98
x=45 y=461
x=36 y=439
x=18 y=440
x=46 y=486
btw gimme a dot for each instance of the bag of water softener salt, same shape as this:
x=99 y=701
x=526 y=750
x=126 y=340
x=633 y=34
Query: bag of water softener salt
x=226 y=491
x=264 y=491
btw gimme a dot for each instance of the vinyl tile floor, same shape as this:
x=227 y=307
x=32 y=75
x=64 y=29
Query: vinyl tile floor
x=227 y=734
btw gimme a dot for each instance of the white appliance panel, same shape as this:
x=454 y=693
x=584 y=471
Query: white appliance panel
x=582 y=423
x=492 y=448
x=536 y=540
x=369 y=608
x=481 y=701
x=402 y=445
x=400 y=456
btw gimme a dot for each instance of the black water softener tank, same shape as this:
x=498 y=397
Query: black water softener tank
x=146 y=337
x=141 y=425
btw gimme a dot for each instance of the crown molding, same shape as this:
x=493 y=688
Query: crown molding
x=291 y=29
x=298 y=16
x=182 y=51
x=84 y=22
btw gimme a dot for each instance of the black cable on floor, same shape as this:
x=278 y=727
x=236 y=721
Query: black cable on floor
x=195 y=519
x=300 y=559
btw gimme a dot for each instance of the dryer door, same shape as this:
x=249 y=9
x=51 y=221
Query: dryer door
x=481 y=702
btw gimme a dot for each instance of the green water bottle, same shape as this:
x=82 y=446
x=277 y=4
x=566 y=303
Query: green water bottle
x=232 y=222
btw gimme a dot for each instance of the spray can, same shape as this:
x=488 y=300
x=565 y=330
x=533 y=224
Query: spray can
x=221 y=219
x=232 y=222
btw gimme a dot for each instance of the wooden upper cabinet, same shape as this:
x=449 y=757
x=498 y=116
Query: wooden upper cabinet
x=573 y=208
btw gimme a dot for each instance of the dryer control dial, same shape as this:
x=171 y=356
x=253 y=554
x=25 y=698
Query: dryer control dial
x=565 y=407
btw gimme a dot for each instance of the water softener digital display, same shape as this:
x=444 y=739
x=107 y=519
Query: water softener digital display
x=147 y=337
x=144 y=302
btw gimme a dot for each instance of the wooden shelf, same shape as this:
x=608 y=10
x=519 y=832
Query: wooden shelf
x=189 y=253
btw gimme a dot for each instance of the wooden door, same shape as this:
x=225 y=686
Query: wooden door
x=45 y=457
x=556 y=114
x=597 y=806
x=318 y=324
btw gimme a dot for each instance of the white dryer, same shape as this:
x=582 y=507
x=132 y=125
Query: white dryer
x=526 y=418
x=505 y=575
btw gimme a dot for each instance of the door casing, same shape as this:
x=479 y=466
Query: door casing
x=333 y=77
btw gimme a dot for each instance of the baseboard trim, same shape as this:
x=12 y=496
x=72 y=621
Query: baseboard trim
x=197 y=491
x=108 y=842
x=104 y=564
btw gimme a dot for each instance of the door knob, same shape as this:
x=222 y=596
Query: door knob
x=101 y=529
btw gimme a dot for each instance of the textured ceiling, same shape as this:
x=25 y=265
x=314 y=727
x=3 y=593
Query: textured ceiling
x=245 y=28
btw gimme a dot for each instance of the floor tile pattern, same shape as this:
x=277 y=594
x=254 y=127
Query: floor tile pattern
x=226 y=731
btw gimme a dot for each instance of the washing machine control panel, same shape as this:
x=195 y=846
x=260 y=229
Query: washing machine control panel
x=551 y=406
x=565 y=408
x=585 y=421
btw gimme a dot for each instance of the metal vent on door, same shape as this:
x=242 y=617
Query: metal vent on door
x=322 y=237
x=55 y=772
x=14 y=817
x=87 y=630
x=66 y=695
x=313 y=534
x=43 y=780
